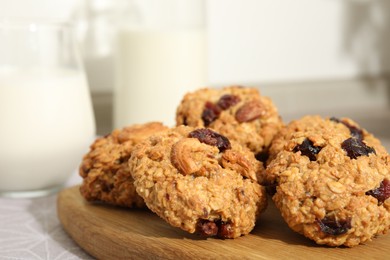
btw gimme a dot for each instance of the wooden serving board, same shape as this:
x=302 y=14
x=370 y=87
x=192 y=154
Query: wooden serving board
x=108 y=232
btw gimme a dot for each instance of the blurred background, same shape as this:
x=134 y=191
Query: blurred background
x=328 y=57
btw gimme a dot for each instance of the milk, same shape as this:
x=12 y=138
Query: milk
x=46 y=125
x=155 y=68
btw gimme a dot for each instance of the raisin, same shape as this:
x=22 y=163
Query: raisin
x=356 y=147
x=381 y=193
x=355 y=132
x=210 y=113
x=308 y=149
x=334 y=227
x=210 y=137
x=218 y=228
x=227 y=101
x=225 y=230
x=207 y=228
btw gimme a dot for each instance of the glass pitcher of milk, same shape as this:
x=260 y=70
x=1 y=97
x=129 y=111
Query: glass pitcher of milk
x=46 y=116
x=161 y=50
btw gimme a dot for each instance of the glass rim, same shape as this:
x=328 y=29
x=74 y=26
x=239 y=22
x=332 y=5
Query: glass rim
x=26 y=22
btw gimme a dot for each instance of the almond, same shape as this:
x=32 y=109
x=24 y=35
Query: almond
x=250 y=111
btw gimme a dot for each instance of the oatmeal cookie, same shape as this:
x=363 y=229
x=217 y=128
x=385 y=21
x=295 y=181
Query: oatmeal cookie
x=105 y=170
x=198 y=180
x=239 y=113
x=332 y=180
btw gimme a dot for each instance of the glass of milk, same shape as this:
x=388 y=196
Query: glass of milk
x=46 y=116
x=160 y=55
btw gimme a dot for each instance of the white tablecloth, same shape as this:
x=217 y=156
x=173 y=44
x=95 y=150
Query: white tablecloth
x=30 y=229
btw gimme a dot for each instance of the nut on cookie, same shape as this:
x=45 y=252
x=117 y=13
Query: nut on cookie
x=199 y=181
x=239 y=113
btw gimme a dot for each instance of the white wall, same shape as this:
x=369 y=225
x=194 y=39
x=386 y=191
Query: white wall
x=282 y=40
x=37 y=8
x=253 y=41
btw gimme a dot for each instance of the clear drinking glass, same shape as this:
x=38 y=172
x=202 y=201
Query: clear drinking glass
x=161 y=54
x=46 y=116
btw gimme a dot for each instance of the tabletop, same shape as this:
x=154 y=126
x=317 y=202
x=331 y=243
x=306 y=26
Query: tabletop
x=30 y=229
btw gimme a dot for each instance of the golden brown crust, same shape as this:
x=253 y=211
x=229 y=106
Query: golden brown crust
x=105 y=170
x=253 y=121
x=327 y=198
x=194 y=185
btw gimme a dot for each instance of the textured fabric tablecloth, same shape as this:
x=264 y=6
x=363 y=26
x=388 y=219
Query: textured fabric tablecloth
x=30 y=229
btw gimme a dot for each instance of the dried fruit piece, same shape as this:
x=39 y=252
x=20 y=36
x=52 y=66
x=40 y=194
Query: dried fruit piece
x=210 y=137
x=250 y=111
x=308 y=149
x=210 y=113
x=217 y=228
x=334 y=227
x=381 y=193
x=355 y=132
x=206 y=228
x=225 y=230
x=227 y=101
x=356 y=147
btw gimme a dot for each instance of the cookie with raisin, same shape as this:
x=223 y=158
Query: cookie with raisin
x=105 y=169
x=332 y=180
x=198 y=180
x=239 y=113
